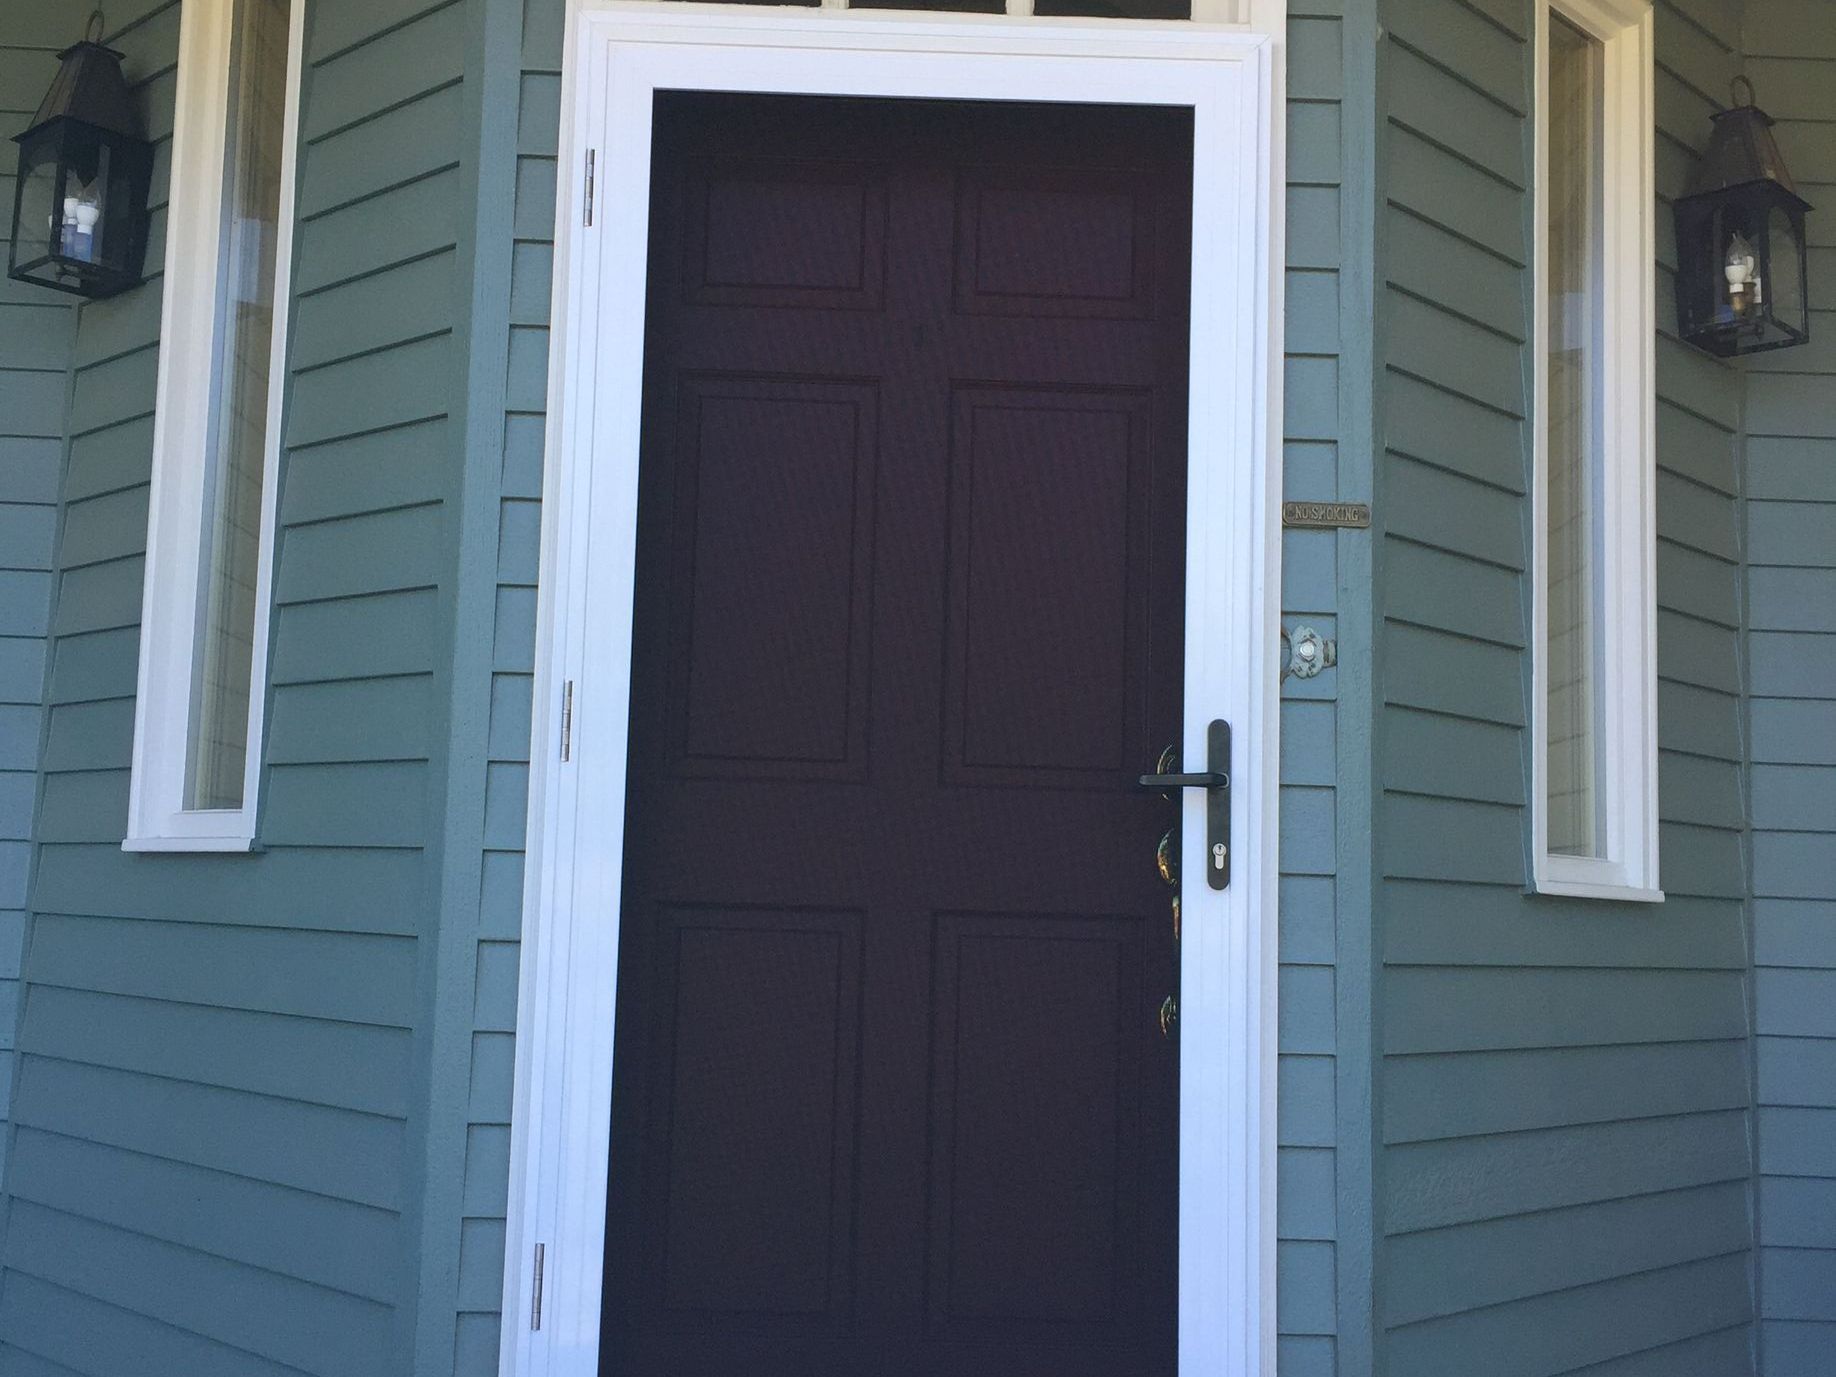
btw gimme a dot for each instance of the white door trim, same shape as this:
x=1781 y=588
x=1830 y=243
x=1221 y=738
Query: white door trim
x=617 y=55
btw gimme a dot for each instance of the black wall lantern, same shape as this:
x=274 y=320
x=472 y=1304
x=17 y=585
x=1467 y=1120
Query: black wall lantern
x=1743 y=270
x=80 y=212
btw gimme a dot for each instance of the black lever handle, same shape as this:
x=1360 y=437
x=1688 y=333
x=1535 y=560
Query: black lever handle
x=1216 y=784
x=1204 y=781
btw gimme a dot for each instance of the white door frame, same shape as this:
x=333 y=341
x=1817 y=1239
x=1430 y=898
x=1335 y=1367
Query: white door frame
x=617 y=55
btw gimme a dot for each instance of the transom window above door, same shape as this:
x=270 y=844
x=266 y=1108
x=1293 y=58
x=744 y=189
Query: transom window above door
x=1205 y=11
x=216 y=439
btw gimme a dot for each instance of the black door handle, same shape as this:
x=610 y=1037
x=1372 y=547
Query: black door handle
x=1216 y=784
x=1204 y=781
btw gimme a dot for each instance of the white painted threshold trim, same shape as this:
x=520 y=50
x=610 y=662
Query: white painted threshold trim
x=617 y=55
x=185 y=411
x=1625 y=604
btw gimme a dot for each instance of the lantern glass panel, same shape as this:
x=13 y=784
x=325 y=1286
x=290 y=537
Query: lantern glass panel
x=36 y=221
x=87 y=235
x=1695 y=300
x=1784 y=251
x=1736 y=292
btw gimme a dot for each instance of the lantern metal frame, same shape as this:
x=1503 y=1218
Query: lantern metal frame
x=86 y=123
x=1742 y=193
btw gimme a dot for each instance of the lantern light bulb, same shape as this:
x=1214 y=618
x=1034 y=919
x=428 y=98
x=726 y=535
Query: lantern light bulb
x=1740 y=265
x=80 y=217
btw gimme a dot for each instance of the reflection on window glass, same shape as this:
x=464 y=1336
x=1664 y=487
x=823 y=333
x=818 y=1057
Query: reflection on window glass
x=1575 y=440
x=239 y=405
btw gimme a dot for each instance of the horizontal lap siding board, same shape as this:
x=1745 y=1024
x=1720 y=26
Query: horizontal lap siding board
x=1564 y=1094
x=235 y=1034
x=1310 y=901
x=36 y=329
x=1791 y=539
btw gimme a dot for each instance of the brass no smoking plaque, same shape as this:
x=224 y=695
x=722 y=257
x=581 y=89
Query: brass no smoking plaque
x=1325 y=516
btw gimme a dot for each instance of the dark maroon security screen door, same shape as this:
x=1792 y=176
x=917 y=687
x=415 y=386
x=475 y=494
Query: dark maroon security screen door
x=890 y=1095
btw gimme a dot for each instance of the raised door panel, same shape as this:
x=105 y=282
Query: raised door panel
x=770 y=650
x=753 y=1098
x=1052 y=243
x=1049 y=606
x=786 y=233
x=1036 y=1126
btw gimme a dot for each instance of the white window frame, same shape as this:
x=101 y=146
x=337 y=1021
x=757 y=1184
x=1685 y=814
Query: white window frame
x=1626 y=601
x=617 y=56
x=176 y=517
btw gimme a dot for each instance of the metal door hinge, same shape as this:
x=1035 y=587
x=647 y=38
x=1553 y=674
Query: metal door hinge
x=567 y=720
x=591 y=158
x=535 y=1302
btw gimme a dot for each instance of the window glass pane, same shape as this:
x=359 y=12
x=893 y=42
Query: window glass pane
x=1117 y=9
x=245 y=317
x=1575 y=440
x=972 y=6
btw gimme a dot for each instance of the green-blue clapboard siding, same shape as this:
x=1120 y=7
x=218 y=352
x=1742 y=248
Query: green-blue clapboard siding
x=214 y=1161
x=1313 y=908
x=1565 y=1166
x=35 y=336
x=1791 y=608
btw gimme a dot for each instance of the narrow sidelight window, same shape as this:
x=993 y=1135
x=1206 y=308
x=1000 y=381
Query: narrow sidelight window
x=217 y=427
x=1595 y=762
x=1573 y=421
